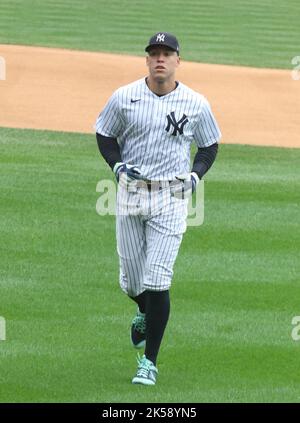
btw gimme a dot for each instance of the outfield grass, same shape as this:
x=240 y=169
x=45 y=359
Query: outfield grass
x=261 y=33
x=235 y=288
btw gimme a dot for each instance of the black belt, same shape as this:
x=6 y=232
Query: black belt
x=153 y=185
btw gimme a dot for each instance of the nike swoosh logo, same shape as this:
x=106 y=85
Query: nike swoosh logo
x=134 y=101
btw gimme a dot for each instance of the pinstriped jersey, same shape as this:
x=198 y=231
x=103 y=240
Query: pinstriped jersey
x=156 y=132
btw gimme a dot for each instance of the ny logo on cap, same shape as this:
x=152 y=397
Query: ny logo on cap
x=160 y=38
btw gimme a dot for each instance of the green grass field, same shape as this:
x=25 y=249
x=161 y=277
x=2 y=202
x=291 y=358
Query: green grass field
x=261 y=33
x=236 y=282
x=235 y=288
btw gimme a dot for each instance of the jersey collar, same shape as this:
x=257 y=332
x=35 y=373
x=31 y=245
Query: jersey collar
x=147 y=90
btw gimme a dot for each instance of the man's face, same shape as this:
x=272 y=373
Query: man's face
x=162 y=63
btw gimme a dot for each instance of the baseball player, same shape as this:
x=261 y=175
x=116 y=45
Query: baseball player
x=144 y=133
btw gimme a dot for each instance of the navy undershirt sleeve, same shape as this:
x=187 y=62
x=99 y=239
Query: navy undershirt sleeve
x=204 y=158
x=109 y=148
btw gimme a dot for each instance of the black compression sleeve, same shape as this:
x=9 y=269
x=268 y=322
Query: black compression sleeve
x=109 y=148
x=204 y=159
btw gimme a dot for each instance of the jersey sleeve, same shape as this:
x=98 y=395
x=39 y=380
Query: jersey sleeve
x=110 y=121
x=206 y=131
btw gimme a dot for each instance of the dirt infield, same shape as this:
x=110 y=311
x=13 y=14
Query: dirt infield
x=64 y=90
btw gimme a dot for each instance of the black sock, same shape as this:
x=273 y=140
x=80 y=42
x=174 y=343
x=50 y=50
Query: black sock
x=157 y=315
x=141 y=301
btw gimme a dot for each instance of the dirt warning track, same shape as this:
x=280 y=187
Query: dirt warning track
x=64 y=90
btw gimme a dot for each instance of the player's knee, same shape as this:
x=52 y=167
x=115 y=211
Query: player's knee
x=158 y=270
x=130 y=289
x=158 y=277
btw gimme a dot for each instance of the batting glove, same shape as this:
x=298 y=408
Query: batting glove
x=127 y=171
x=188 y=185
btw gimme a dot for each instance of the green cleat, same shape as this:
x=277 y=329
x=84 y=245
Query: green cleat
x=146 y=373
x=138 y=330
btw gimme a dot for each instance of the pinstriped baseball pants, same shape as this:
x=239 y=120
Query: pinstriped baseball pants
x=149 y=228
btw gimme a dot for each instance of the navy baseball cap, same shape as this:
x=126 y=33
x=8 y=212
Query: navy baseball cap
x=163 y=39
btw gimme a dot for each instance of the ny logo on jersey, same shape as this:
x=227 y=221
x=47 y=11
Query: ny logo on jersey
x=177 y=126
x=160 y=38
